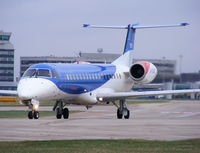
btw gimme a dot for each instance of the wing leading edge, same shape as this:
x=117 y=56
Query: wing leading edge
x=103 y=97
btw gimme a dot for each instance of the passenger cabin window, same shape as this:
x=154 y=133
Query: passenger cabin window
x=92 y=76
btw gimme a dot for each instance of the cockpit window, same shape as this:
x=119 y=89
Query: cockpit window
x=37 y=73
x=43 y=73
x=54 y=74
x=29 y=73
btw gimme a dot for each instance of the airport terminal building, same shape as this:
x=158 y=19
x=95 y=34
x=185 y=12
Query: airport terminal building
x=6 y=62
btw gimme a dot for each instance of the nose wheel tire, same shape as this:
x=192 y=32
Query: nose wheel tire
x=36 y=115
x=33 y=114
x=30 y=115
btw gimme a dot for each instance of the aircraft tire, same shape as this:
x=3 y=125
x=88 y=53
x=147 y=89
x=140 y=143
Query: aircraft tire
x=128 y=114
x=119 y=114
x=65 y=113
x=36 y=115
x=30 y=115
x=58 y=115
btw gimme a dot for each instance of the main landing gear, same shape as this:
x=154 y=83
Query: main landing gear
x=122 y=110
x=60 y=110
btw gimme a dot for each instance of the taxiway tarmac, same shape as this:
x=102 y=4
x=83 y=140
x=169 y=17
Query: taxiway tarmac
x=155 y=121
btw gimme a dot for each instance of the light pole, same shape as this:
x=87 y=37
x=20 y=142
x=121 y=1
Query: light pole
x=180 y=66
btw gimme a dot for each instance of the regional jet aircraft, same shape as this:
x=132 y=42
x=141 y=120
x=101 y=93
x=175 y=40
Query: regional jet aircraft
x=89 y=84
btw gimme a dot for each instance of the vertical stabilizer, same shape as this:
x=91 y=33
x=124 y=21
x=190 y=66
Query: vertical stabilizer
x=129 y=44
x=127 y=57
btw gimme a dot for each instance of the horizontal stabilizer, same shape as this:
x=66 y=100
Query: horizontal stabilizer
x=159 y=26
x=135 y=26
x=104 y=26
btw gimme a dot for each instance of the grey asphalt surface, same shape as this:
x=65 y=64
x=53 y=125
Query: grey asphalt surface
x=155 y=121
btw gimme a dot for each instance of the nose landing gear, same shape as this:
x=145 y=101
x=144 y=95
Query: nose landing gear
x=34 y=105
x=33 y=114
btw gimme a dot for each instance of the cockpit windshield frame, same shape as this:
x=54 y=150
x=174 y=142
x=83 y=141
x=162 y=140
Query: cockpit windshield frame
x=29 y=73
x=40 y=72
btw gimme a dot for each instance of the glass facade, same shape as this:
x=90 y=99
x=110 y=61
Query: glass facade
x=6 y=58
x=4 y=37
x=6 y=65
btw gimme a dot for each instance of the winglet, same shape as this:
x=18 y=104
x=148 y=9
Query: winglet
x=184 y=24
x=86 y=25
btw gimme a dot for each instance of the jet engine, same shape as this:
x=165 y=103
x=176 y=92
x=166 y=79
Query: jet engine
x=143 y=72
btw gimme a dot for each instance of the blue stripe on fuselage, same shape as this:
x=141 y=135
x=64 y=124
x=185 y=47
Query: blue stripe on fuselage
x=79 y=78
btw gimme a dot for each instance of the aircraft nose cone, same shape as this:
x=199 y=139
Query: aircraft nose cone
x=36 y=88
x=24 y=94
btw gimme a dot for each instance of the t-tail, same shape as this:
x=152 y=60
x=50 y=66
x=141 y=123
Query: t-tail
x=127 y=56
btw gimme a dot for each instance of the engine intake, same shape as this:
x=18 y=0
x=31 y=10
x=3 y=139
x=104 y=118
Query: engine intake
x=143 y=72
x=137 y=71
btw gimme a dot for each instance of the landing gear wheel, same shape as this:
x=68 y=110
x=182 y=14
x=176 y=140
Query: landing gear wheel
x=122 y=110
x=65 y=113
x=30 y=115
x=127 y=115
x=58 y=113
x=119 y=114
x=36 y=115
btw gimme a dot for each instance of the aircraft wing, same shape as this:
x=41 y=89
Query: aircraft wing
x=103 y=97
x=9 y=92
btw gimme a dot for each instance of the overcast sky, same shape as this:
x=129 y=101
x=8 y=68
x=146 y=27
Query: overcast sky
x=49 y=27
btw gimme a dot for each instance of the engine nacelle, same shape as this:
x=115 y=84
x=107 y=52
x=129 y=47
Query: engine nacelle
x=143 y=72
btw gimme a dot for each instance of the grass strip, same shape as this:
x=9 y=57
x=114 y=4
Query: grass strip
x=102 y=146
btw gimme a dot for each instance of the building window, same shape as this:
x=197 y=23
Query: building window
x=4 y=37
